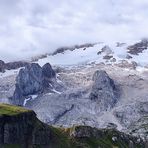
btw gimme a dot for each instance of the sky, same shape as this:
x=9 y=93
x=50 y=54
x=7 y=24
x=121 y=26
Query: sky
x=32 y=27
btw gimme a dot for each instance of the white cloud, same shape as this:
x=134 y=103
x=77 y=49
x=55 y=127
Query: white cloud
x=34 y=26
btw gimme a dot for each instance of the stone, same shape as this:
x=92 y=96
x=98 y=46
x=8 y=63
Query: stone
x=103 y=90
x=33 y=79
x=30 y=79
x=138 y=47
x=48 y=72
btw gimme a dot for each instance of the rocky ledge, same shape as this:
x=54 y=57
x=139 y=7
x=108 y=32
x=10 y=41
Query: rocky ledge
x=20 y=128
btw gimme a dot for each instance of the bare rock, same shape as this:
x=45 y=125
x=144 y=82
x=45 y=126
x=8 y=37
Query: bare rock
x=48 y=72
x=103 y=90
x=138 y=47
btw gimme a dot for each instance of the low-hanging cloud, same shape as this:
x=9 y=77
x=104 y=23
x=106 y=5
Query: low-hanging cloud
x=32 y=27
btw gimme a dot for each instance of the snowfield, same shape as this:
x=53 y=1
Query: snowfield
x=83 y=56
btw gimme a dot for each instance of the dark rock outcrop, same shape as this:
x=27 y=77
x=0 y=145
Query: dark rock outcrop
x=48 y=72
x=33 y=79
x=30 y=79
x=138 y=47
x=20 y=127
x=103 y=90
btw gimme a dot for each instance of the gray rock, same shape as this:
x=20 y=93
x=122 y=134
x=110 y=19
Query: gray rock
x=47 y=71
x=30 y=79
x=138 y=47
x=131 y=113
x=103 y=90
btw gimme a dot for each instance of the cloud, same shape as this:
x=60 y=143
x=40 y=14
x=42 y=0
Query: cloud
x=34 y=27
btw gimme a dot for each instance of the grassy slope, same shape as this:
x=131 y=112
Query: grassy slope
x=10 y=110
x=64 y=140
x=61 y=138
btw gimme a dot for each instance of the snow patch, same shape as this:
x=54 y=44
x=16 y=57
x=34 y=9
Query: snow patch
x=25 y=101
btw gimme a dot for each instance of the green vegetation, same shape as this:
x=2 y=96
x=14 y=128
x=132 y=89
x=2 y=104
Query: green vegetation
x=10 y=110
x=64 y=139
x=55 y=137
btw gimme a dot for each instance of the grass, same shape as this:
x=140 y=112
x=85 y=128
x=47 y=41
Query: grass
x=10 y=110
x=62 y=137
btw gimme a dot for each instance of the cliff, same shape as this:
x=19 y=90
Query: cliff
x=20 y=128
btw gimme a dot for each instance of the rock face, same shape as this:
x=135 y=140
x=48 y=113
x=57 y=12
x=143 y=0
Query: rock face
x=48 y=72
x=20 y=128
x=131 y=113
x=138 y=47
x=114 y=136
x=32 y=79
x=103 y=90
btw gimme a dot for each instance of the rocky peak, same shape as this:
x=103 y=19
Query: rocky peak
x=32 y=80
x=48 y=72
x=103 y=90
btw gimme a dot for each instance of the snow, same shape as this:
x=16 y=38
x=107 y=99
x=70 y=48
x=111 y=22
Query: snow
x=32 y=97
x=9 y=73
x=25 y=101
x=142 y=58
x=75 y=57
x=89 y=55
x=79 y=57
x=56 y=91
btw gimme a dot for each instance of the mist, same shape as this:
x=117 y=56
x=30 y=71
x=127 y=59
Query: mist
x=33 y=27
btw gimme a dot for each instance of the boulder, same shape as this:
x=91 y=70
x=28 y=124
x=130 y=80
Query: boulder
x=103 y=90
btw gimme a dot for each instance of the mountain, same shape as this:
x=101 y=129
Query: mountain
x=20 y=128
x=101 y=85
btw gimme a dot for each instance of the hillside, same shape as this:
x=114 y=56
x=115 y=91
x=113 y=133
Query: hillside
x=20 y=128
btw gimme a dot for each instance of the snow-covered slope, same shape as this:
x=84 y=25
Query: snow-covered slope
x=112 y=53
